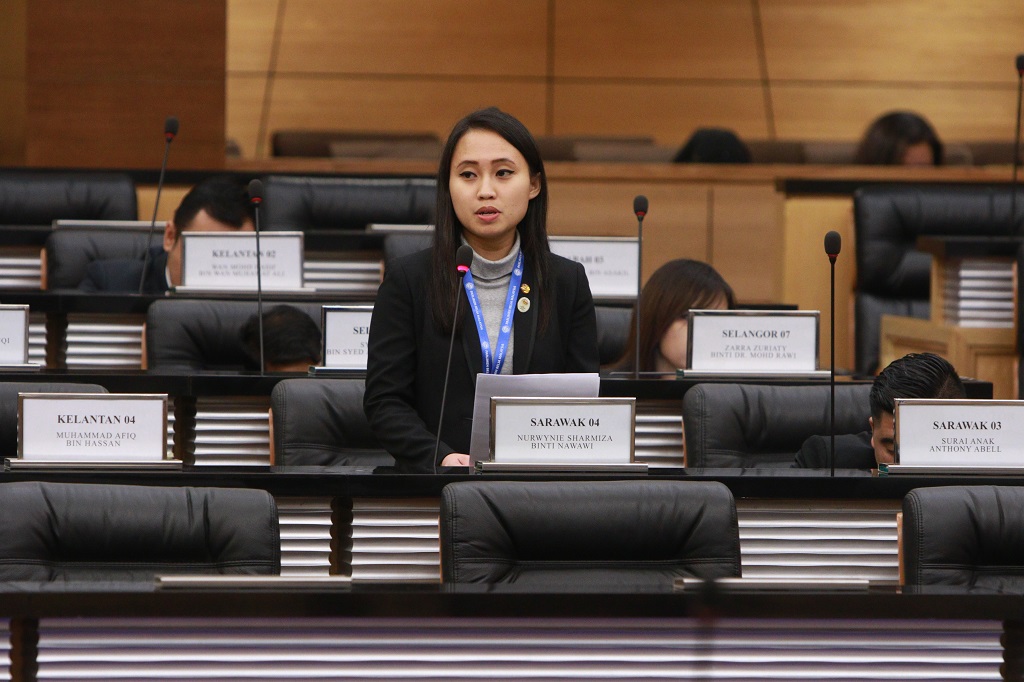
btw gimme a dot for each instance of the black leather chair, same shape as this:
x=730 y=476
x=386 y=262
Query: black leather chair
x=404 y=243
x=74 y=531
x=40 y=197
x=321 y=422
x=69 y=250
x=753 y=425
x=9 y=391
x=964 y=535
x=893 y=277
x=612 y=332
x=305 y=203
x=197 y=335
x=588 y=533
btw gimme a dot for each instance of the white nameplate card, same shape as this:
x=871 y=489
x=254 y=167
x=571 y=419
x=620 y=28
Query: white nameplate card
x=959 y=433
x=346 y=332
x=226 y=261
x=610 y=262
x=13 y=334
x=753 y=341
x=84 y=428
x=562 y=430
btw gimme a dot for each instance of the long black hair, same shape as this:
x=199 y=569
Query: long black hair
x=533 y=236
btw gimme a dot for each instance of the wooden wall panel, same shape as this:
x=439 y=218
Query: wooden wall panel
x=669 y=113
x=487 y=37
x=102 y=76
x=940 y=41
x=244 y=103
x=637 y=39
x=12 y=81
x=843 y=113
x=747 y=240
x=250 y=34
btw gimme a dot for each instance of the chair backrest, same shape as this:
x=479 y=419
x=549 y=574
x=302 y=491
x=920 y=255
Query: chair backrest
x=75 y=531
x=305 y=203
x=9 y=391
x=39 y=197
x=69 y=250
x=199 y=334
x=321 y=422
x=340 y=143
x=893 y=277
x=964 y=535
x=612 y=332
x=403 y=243
x=754 y=425
x=583 y=533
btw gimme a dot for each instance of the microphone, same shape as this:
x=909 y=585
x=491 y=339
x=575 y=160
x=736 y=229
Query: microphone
x=170 y=132
x=463 y=259
x=833 y=243
x=1016 y=146
x=256 y=198
x=640 y=210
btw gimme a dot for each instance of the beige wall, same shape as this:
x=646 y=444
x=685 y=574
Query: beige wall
x=788 y=69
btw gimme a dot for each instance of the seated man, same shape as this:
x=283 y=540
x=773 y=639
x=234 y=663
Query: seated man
x=291 y=340
x=917 y=375
x=215 y=205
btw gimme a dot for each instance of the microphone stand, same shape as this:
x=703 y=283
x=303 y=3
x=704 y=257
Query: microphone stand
x=170 y=130
x=832 y=367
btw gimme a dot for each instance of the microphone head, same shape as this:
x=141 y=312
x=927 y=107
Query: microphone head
x=833 y=243
x=1020 y=64
x=463 y=259
x=256 y=191
x=171 y=127
x=640 y=206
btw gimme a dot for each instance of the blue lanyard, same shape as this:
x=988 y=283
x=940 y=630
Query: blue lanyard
x=493 y=363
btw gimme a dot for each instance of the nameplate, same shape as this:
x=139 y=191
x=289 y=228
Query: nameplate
x=13 y=334
x=226 y=261
x=92 y=427
x=346 y=332
x=610 y=262
x=562 y=430
x=754 y=341
x=974 y=433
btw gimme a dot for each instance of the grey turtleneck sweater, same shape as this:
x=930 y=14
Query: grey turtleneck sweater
x=492 y=278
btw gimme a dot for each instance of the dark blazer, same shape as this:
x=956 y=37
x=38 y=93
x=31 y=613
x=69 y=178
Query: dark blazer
x=407 y=355
x=853 y=451
x=121 y=275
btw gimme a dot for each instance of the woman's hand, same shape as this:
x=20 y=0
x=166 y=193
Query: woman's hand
x=455 y=459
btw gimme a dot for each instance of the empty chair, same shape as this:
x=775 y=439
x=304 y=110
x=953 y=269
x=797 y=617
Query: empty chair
x=612 y=332
x=75 y=531
x=964 y=535
x=198 y=335
x=321 y=422
x=358 y=144
x=9 y=391
x=70 y=250
x=39 y=198
x=588 y=533
x=751 y=425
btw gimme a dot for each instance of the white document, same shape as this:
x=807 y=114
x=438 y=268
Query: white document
x=521 y=385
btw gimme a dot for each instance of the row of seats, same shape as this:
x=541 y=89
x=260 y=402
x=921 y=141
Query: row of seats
x=579 y=534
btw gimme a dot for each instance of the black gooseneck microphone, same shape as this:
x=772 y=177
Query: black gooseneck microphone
x=1016 y=146
x=833 y=243
x=170 y=131
x=463 y=259
x=640 y=209
x=256 y=197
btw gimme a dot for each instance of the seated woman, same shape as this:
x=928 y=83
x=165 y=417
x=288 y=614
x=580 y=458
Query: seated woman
x=900 y=138
x=524 y=310
x=671 y=292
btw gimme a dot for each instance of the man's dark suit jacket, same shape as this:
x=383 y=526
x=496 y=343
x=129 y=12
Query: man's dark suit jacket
x=853 y=451
x=407 y=355
x=121 y=275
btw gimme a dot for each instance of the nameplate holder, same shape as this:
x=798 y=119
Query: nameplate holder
x=547 y=431
x=92 y=428
x=610 y=262
x=14 y=336
x=226 y=261
x=346 y=331
x=753 y=341
x=959 y=433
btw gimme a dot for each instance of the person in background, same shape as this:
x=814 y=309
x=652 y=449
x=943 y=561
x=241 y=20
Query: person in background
x=291 y=340
x=218 y=204
x=492 y=195
x=900 y=138
x=671 y=292
x=916 y=375
x=713 y=145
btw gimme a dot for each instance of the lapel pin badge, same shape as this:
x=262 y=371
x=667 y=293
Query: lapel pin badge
x=523 y=305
